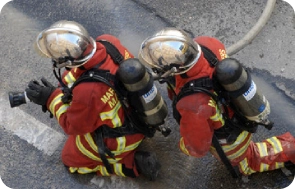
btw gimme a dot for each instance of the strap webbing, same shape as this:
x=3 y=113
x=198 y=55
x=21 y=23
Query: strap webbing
x=112 y=51
x=233 y=170
x=103 y=150
x=209 y=56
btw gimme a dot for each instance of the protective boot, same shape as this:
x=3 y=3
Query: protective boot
x=147 y=164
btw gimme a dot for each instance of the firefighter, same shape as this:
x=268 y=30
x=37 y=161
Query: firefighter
x=173 y=52
x=100 y=139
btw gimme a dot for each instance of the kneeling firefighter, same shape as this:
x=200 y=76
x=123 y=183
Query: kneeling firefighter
x=93 y=106
x=216 y=103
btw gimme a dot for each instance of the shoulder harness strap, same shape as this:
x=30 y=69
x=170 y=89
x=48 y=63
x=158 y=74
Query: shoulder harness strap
x=112 y=51
x=209 y=56
x=204 y=85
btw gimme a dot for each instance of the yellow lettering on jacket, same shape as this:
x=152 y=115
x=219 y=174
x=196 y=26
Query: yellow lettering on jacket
x=113 y=101
x=223 y=54
x=110 y=97
x=127 y=55
x=106 y=97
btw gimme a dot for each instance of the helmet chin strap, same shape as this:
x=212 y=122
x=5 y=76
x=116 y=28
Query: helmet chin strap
x=58 y=76
x=170 y=72
x=64 y=64
x=167 y=73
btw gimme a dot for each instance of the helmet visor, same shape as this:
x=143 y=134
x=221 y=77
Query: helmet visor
x=165 y=52
x=65 y=44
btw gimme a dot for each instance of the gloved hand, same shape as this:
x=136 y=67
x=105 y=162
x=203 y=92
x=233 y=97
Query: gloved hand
x=44 y=109
x=39 y=94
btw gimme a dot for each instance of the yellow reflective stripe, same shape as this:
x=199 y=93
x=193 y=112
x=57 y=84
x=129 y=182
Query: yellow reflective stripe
x=118 y=169
x=132 y=146
x=84 y=151
x=121 y=141
x=263 y=167
x=91 y=142
x=240 y=151
x=212 y=103
x=103 y=171
x=113 y=161
x=245 y=167
x=238 y=141
x=262 y=149
x=112 y=115
x=182 y=147
x=279 y=165
x=81 y=170
x=70 y=79
x=54 y=102
x=218 y=115
x=277 y=146
x=85 y=170
x=73 y=169
x=61 y=110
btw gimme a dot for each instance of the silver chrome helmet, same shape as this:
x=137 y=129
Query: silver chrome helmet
x=67 y=43
x=169 y=49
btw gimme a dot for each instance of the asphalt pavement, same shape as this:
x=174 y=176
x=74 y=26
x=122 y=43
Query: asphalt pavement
x=31 y=142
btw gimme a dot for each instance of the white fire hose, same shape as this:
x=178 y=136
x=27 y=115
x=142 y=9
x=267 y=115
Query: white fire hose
x=254 y=30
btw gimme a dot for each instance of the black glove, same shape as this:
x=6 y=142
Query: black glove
x=44 y=109
x=39 y=94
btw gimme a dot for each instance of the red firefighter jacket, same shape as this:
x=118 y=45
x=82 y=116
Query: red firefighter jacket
x=199 y=114
x=93 y=104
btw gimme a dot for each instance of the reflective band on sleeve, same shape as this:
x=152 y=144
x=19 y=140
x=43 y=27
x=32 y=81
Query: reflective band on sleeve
x=218 y=116
x=276 y=144
x=262 y=149
x=54 y=102
x=264 y=167
x=245 y=167
x=112 y=115
x=182 y=146
x=70 y=79
x=61 y=110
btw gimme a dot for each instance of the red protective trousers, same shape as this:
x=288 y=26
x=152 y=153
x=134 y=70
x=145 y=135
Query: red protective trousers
x=267 y=155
